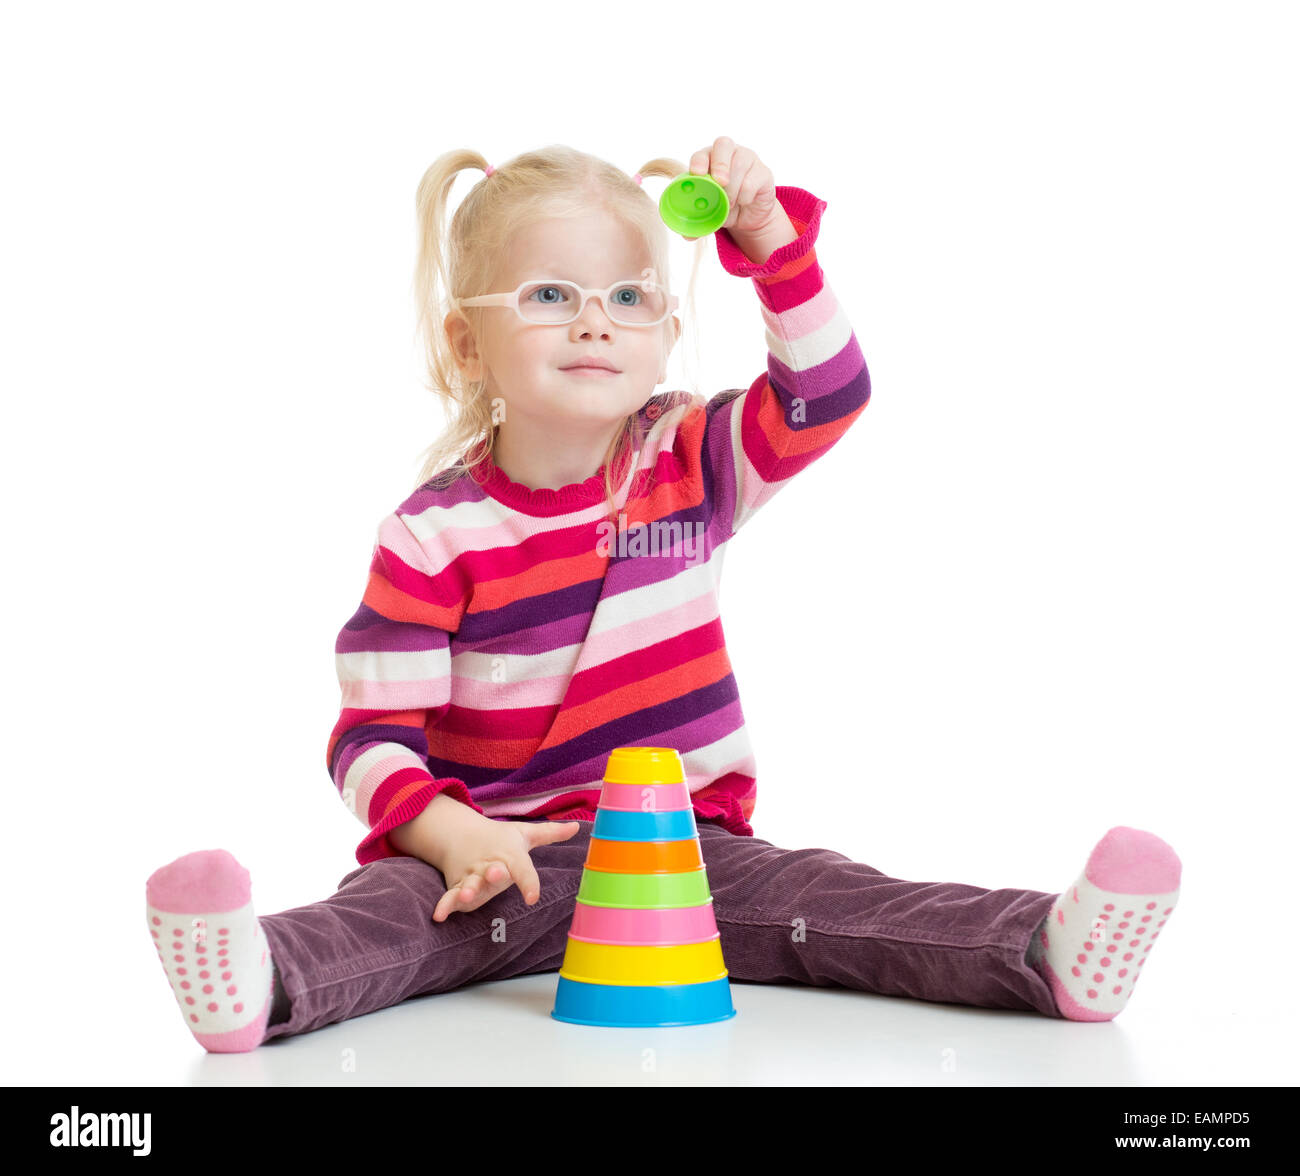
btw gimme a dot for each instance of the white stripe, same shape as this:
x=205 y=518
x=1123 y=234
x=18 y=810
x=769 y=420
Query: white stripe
x=373 y=665
x=802 y=352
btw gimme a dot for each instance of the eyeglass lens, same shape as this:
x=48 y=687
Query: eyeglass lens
x=631 y=302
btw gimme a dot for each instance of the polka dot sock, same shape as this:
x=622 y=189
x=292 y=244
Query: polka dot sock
x=200 y=913
x=1093 y=944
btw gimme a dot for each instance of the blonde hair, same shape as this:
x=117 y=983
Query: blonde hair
x=550 y=182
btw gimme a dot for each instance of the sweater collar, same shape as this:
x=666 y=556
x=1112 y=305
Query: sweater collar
x=497 y=484
x=542 y=502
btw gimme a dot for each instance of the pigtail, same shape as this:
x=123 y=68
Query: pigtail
x=471 y=428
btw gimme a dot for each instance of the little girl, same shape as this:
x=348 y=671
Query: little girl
x=524 y=616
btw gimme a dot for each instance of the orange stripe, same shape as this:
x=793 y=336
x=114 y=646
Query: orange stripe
x=672 y=683
x=397 y=605
x=793 y=267
x=771 y=419
x=400 y=795
x=549 y=576
x=668 y=497
x=476 y=751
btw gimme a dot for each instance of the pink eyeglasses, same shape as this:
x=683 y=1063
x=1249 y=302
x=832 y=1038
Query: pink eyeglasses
x=633 y=302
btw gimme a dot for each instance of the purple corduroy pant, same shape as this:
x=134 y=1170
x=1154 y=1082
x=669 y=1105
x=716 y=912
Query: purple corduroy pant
x=785 y=916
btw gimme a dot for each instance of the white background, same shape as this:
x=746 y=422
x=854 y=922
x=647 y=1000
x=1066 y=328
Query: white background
x=1045 y=585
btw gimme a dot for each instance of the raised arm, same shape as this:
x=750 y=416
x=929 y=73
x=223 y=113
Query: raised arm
x=816 y=384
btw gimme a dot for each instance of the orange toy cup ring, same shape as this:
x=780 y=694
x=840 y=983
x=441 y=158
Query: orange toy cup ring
x=644 y=857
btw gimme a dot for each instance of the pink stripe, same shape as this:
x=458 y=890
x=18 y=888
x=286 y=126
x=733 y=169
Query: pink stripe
x=598 y=651
x=516 y=723
x=396 y=536
x=396 y=696
x=755 y=491
x=492 y=552
x=379 y=772
x=472 y=694
x=516 y=806
x=793 y=292
x=601 y=648
x=804 y=319
x=684 y=646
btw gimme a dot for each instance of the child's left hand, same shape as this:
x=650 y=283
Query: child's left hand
x=748 y=182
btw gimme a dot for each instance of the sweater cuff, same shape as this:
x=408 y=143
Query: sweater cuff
x=375 y=845
x=805 y=213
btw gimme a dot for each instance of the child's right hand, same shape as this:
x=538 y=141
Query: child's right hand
x=491 y=857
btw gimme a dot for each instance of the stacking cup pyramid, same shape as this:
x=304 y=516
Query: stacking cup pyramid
x=643 y=948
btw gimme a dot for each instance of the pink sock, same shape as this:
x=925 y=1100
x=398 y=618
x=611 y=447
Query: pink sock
x=1094 y=944
x=200 y=913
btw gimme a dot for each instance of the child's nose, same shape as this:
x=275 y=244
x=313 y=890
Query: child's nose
x=593 y=313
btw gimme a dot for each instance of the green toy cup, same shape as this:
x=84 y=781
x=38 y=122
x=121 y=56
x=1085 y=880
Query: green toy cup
x=694 y=206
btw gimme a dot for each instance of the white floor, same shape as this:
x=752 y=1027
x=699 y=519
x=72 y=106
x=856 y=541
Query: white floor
x=501 y=1033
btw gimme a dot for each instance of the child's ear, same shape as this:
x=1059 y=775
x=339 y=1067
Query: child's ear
x=463 y=346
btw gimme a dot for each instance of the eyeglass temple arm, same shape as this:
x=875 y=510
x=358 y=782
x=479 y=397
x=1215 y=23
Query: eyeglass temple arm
x=487 y=300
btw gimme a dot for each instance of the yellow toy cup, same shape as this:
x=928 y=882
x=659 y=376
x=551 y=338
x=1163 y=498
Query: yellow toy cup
x=644 y=765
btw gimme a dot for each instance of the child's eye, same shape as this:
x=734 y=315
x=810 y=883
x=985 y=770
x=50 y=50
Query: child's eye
x=627 y=295
x=550 y=295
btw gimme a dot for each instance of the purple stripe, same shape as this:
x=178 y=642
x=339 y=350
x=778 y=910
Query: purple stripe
x=708 y=710
x=832 y=389
x=370 y=632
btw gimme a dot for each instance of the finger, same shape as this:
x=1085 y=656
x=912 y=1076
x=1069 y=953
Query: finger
x=750 y=182
x=729 y=161
x=525 y=876
x=490 y=881
x=465 y=890
x=545 y=832
x=461 y=896
x=731 y=175
x=724 y=151
x=699 y=165
x=736 y=186
x=446 y=904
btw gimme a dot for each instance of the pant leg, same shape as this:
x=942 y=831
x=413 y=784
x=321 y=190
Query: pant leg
x=373 y=943
x=813 y=916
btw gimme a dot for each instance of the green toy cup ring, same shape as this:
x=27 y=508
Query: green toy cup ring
x=694 y=206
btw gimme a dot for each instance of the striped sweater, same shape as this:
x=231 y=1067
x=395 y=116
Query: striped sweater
x=509 y=639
